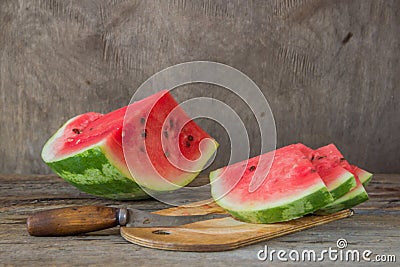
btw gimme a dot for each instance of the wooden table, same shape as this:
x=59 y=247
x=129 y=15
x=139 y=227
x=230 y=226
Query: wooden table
x=375 y=226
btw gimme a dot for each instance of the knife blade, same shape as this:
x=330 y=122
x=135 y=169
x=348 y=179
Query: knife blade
x=84 y=219
x=140 y=218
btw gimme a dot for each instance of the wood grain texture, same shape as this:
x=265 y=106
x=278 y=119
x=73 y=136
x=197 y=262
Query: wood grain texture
x=71 y=220
x=374 y=226
x=329 y=69
x=219 y=234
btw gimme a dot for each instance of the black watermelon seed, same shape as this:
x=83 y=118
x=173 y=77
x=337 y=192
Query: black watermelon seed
x=341 y=159
x=75 y=130
x=313 y=170
x=187 y=144
x=190 y=138
x=171 y=123
x=142 y=120
x=321 y=157
x=166 y=134
x=144 y=133
x=312 y=158
x=252 y=168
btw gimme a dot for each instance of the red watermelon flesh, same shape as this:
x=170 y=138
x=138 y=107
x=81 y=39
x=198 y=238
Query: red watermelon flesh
x=333 y=169
x=291 y=188
x=83 y=131
x=335 y=158
x=304 y=149
x=328 y=157
x=165 y=146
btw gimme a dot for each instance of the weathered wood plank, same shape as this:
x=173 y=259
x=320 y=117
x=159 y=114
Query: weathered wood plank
x=328 y=68
x=374 y=226
x=108 y=248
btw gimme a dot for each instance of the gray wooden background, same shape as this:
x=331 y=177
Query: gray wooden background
x=330 y=69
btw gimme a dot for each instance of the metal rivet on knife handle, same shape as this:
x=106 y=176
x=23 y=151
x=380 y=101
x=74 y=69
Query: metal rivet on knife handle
x=122 y=216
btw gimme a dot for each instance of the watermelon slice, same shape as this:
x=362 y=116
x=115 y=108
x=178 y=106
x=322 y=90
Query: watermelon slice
x=330 y=155
x=356 y=196
x=337 y=179
x=364 y=176
x=291 y=188
x=87 y=150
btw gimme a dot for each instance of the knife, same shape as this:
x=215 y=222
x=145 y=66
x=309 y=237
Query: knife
x=84 y=219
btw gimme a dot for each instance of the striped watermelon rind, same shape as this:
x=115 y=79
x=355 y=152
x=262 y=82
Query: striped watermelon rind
x=92 y=171
x=343 y=184
x=285 y=211
x=356 y=196
x=364 y=176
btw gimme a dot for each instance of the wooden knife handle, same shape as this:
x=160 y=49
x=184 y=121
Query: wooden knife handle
x=72 y=220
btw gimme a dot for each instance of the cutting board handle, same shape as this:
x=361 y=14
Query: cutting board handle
x=72 y=220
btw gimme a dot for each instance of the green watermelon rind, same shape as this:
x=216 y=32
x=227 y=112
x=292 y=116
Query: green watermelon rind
x=92 y=172
x=351 y=199
x=285 y=211
x=344 y=185
x=365 y=177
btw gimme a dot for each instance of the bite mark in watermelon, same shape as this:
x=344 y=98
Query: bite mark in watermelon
x=291 y=188
x=87 y=150
x=331 y=155
x=337 y=179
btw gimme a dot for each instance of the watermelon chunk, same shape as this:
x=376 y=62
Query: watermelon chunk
x=87 y=150
x=291 y=188
x=330 y=167
x=331 y=155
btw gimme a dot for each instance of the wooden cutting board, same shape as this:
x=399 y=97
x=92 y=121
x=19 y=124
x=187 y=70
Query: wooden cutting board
x=217 y=234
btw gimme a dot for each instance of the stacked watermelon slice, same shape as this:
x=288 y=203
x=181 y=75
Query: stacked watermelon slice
x=297 y=180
